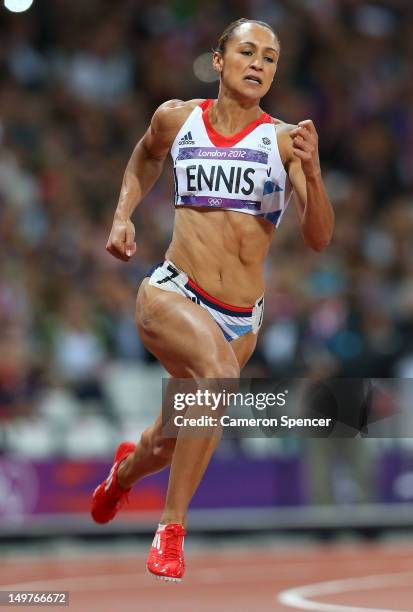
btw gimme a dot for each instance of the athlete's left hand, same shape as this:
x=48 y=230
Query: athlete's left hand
x=305 y=147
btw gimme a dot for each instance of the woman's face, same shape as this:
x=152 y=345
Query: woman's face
x=249 y=62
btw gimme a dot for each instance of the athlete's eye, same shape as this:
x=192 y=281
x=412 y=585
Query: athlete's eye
x=246 y=52
x=269 y=59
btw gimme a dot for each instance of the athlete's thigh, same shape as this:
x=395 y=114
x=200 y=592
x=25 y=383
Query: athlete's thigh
x=244 y=347
x=182 y=335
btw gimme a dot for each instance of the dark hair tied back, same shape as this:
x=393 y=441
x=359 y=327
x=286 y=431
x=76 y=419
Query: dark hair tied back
x=230 y=29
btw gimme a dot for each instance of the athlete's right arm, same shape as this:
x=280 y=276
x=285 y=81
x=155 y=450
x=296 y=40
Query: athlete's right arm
x=142 y=171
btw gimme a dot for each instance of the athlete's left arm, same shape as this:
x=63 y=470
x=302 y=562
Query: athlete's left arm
x=314 y=209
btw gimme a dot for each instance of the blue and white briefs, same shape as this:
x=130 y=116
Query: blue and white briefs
x=234 y=321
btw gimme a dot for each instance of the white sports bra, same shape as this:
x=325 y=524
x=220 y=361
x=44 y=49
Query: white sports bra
x=243 y=173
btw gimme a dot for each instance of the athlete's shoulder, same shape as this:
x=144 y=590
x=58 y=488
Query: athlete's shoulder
x=166 y=122
x=174 y=112
x=282 y=126
x=284 y=139
x=170 y=116
x=182 y=104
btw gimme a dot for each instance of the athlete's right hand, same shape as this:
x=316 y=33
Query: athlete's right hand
x=121 y=242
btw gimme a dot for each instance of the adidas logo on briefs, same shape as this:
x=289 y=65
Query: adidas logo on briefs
x=186 y=139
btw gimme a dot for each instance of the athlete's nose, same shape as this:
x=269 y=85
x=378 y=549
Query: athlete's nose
x=257 y=63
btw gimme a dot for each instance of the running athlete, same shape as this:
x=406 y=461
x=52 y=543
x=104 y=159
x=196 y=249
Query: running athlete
x=235 y=168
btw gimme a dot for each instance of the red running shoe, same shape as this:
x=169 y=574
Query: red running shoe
x=108 y=497
x=166 y=556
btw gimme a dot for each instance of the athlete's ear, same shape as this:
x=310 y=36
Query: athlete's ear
x=217 y=61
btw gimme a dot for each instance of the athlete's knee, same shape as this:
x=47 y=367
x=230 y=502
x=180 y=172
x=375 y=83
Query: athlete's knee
x=143 y=319
x=145 y=315
x=221 y=369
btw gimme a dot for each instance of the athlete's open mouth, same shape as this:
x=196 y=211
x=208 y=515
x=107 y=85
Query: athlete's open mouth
x=253 y=78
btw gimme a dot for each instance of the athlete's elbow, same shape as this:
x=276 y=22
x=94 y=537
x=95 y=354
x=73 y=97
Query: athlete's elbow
x=318 y=244
x=317 y=239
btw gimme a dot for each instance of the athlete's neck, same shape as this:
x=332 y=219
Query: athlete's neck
x=228 y=116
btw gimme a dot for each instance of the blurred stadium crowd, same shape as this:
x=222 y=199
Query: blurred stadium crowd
x=79 y=83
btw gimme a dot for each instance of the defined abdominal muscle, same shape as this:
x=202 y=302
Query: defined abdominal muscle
x=222 y=251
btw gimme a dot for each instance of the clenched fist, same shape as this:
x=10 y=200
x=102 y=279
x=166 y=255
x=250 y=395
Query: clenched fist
x=305 y=146
x=121 y=242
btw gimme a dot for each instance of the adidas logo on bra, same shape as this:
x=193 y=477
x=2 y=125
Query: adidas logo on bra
x=186 y=139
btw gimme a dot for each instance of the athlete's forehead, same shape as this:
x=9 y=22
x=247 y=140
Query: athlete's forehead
x=255 y=34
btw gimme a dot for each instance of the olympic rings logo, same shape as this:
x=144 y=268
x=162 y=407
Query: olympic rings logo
x=214 y=201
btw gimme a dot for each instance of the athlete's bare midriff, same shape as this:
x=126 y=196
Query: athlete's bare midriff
x=222 y=251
